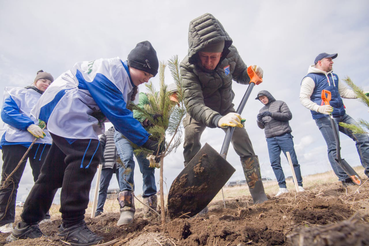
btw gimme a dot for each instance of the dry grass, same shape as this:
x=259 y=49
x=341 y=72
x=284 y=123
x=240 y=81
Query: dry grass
x=271 y=188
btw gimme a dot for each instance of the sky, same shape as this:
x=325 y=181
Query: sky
x=282 y=37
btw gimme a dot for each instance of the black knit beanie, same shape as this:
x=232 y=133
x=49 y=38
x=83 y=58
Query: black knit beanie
x=43 y=75
x=143 y=57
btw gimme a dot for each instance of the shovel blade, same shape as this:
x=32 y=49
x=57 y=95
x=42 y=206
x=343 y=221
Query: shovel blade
x=198 y=183
x=349 y=171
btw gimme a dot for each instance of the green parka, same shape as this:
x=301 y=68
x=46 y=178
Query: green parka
x=208 y=94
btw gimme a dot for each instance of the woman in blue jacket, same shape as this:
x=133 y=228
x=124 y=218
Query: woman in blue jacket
x=20 y=129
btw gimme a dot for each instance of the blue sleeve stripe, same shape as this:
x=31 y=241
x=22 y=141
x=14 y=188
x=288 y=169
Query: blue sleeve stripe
x=46 y=110
x=11 y=115
x=111 y=103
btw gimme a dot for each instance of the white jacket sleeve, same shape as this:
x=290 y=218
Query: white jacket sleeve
x=345 y=92
x=306 y=90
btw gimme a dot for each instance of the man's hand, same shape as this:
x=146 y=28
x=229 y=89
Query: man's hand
x=325 y=109
x=266 y=113
x=231 y=119
x=36 y=131
x=154 y=146
x=261 y=115
x=146 y=123
x=259 y=72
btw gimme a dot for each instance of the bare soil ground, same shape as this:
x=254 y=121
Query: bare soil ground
x=326 y=214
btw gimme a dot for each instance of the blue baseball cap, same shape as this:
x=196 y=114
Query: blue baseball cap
x=324 y=55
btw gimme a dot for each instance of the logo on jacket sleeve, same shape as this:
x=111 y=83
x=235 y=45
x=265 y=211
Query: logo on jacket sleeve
x=227 y=70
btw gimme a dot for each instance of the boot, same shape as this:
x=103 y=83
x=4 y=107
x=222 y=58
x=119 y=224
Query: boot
x=152 y=202
x=251 y=170
x=127 y=207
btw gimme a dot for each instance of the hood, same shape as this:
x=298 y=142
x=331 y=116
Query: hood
x=313 y=69
x=204 y=30
x=267 y=94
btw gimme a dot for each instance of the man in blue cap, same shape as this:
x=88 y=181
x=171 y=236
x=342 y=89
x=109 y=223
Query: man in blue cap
x=321 y=77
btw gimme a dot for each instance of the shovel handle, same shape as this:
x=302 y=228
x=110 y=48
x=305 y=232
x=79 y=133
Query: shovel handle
x=230 y=130
x=326 y=96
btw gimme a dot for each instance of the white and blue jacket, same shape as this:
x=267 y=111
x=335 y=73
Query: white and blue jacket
x=16 y=116
x=70 y=105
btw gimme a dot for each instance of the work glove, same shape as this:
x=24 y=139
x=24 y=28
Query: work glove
x=154 y=161
x=154 y=146
x=36 y=131
x=230 y=119
x=259 y=117
x=266 y=113
x=259 y=72
x=325 y=109
x=146 y=123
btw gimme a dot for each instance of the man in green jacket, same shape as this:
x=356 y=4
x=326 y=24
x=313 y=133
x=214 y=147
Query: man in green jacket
x=207 y=73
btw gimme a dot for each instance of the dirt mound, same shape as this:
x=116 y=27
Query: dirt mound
x=325 y=215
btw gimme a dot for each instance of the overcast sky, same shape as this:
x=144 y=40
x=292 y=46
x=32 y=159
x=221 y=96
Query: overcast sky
x=282 y=37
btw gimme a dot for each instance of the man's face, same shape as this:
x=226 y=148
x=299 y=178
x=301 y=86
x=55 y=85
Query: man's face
x=326 y=64
x=210 y=60
x=139 y=76
x=264 y=99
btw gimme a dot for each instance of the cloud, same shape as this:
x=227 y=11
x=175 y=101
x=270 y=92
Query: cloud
x=283 y=37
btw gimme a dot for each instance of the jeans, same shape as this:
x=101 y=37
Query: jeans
x=275 y=146
x=106 y=175
x=362 y=143
x=126 y=182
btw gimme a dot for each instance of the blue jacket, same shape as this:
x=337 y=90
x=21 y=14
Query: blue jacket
x=326 y=82
x=16 y=116
x=75 y=104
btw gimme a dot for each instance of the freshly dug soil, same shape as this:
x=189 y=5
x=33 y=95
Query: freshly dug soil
x=325 y=215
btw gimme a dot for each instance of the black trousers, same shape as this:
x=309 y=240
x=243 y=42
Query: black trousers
x=12 y=154
x=70 y=167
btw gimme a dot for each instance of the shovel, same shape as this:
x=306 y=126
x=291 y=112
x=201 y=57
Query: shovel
x=206 y=173
x=326 y=97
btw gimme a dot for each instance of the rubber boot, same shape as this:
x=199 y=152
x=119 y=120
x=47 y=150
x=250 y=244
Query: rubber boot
x=152 y=202
x=251 y=170
x=127 y=208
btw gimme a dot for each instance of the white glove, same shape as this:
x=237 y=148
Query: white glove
x=230 y=119
x=259 y=72
x=325 y=109
x=36 y=131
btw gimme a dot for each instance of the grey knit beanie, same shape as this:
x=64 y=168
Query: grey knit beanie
x=43 y=75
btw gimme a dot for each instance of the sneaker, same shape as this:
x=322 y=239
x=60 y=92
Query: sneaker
x=301 y=189
x=79 y=234
x=348 y=182
x=23 y=230
x=7 y=228
x=97 y=213
x=282 y=191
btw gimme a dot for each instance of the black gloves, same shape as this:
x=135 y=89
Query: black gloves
x=153 y=145
x=259 y=118
x=261 y=115
x=146 y=123
x=267 y=113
